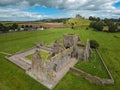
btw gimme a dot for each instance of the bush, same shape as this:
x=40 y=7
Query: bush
x=97 y=25
x=14 y=26
x=4 y=28
x=112 y=27
x=94 y=44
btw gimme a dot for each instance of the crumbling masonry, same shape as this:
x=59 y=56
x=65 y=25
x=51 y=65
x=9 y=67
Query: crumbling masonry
x=45 y=71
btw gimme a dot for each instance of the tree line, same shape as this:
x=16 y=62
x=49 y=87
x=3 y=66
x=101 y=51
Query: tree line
x=5 y=28
x=98 y=24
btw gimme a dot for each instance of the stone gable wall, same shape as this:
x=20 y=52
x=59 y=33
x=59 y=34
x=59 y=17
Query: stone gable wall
x=60 y=59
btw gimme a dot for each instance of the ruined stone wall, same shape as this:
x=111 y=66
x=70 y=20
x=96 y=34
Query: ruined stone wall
x=80 y=53
x=57 y=47
x=87 y=50
x=92 y=78
x=39 y=68
x=47 y=48
x=59 y=57
x=37 y=63
x=60 y=60
x=70 y=40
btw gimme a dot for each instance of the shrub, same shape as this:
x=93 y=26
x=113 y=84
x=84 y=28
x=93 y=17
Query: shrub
x=14 y=26
x=4 y=28
x=112 y=27
x=94 y=44
x=97 y=25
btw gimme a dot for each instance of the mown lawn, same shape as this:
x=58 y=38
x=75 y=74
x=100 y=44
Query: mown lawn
x=93 y=66
x=13 y=78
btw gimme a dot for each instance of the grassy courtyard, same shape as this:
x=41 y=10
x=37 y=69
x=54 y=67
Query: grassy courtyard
x=43 y=53
x=13 y=78
x=93 y=66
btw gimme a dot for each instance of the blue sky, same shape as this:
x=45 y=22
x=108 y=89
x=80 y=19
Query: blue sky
x=117 y=5
x=27 y=10
x=52 y=12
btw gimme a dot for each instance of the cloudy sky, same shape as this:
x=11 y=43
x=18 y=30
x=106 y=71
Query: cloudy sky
x=27 y=10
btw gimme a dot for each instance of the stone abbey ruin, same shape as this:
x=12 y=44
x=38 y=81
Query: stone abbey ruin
x=50 y=64
x=47 y=70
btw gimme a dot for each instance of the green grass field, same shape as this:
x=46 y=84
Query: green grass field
x=93 y=66
x=13 y=78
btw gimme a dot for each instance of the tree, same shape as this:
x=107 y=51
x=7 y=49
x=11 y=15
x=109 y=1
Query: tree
x=92 y=24
x=72 y=25
x=97 y=25
x=1 y=27
x=4 y=28
x=97 y=19
x=94 y=18
x=14 y=26
x=94 y=44
x=90 y=18
x=112 y=26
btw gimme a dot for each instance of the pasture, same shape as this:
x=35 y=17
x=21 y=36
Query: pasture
x=13 y=78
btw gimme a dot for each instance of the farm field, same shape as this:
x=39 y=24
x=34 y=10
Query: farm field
x=13 y=78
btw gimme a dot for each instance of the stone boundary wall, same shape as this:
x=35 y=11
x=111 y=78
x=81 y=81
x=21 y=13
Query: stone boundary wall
x=92 y=78
x=95 y=79
x=104 y=65
x=23 y=51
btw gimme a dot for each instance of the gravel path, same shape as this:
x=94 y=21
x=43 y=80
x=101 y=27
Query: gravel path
x=20 y=60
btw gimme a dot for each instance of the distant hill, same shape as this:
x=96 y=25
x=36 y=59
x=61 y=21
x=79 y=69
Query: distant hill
x=78 y=22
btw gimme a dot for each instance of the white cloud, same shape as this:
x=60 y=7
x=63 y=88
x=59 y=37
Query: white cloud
x=16 y=14
x=64 y=4
x=100 y=8
x=96 y=13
